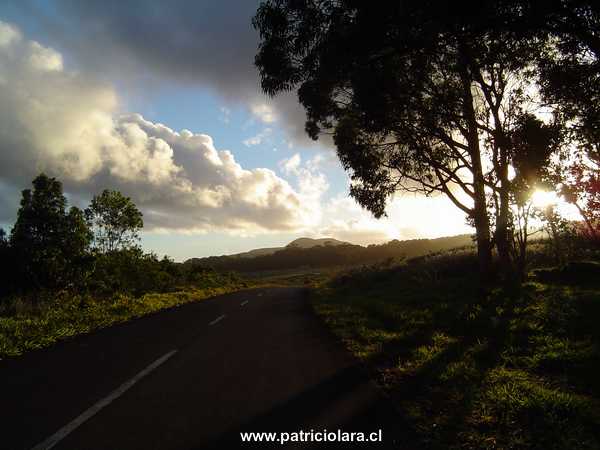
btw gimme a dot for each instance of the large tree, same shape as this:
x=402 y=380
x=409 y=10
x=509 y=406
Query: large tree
x=115 y=221
x=419 y=96
x=48 y=242
x=569 y=73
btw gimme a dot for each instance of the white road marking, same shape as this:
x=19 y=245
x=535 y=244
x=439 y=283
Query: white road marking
x=243 y=303
x=218 y=319
x=71 y=426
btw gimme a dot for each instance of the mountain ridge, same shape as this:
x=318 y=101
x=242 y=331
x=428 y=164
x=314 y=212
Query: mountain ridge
x=324 y=252
x=302 y=242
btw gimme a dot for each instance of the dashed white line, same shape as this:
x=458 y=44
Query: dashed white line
x=90 y=412
x=218 y=319
x=243 y=303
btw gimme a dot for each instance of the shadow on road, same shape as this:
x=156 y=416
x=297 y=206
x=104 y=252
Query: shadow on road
x=347 y=401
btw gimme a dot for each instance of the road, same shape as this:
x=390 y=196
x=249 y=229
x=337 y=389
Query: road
x=192 y=377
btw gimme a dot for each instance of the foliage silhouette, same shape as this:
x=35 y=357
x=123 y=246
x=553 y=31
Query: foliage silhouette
x=49 y=243
x=431 y=96
x=115 y=221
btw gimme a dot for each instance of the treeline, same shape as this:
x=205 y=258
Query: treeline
x=323 y=256
x=53 y=247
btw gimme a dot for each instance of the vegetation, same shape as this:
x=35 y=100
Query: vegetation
x=27 y=326
x=115 y=221
x=68 y=272
x=47 y=245
x=331 y=256
x=473 y=367
x=465 y=93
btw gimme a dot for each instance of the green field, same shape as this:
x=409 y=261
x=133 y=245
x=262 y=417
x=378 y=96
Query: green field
x=473 y=368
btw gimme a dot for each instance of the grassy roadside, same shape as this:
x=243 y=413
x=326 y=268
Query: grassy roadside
x=502 y=371
x=24 y=327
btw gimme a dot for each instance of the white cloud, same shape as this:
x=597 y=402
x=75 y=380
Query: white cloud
x=312 y=185
x=263 y=112
x=68 y=124
x=290 y=165
x=257 y=139
x=9 y=34
x=42 y=58
x=225 y=114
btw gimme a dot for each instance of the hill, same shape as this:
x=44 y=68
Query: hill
x=309 y=243
x=300 y=243
x=322 y=253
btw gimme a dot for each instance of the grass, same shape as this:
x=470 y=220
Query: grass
x=471 y=369
x=26 y=326
x=293 y=277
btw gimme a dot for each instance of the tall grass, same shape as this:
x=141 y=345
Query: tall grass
x=27 y=325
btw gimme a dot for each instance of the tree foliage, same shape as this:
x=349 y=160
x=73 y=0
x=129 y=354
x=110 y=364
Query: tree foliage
x=420 y=96
x=48 y=242
x=439 y=97
x=115 y=221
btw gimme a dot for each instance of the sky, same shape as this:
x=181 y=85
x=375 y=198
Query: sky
x=162 y=101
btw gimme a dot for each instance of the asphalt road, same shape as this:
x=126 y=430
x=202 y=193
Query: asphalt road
x=193 y=377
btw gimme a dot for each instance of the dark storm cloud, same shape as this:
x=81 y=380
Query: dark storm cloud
x=196 y=41
x=210 y=43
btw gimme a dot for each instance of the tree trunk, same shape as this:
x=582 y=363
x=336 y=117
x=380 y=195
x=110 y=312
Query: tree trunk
x=480 y=216
x=482 y=229
x=501 y=235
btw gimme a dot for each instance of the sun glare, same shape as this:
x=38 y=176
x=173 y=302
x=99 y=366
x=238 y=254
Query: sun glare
x=542 y=199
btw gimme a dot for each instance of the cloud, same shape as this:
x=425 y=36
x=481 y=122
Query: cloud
x=8 y=34
x=257 y=139
x=71 y=125
x=265 y=113
x=225 y=116
x=206 y=43
x=68 y=124
x=291 y=165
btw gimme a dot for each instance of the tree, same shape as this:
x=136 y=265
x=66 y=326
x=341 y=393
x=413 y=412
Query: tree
x=532 y=144
x=569 y=74
x=569 y=68
x=419 y=96
x=115 y=221
x=6 y=264
x=581 y=187
x=47 y=241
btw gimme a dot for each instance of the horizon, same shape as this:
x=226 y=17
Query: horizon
x=328 y=237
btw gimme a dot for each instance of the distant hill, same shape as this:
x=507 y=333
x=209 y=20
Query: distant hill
x=327 y=252
x=300 y=242
x=258 y=252
x=309 y=243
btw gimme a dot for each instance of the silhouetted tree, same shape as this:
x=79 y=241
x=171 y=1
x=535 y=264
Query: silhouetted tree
x=48 y=242
x=569 y=67
x=532 y=143
x=115 y=221
x=581 y=187
x=420 y=96
x=6 y=265
x=569 y=78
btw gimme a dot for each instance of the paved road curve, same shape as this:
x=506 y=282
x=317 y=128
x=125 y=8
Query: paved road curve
x=192 y=377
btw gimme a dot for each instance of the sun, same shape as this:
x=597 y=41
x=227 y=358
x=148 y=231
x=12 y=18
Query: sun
x=543 y=199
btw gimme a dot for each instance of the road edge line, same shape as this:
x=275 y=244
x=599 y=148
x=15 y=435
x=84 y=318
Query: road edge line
x=94 y=409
